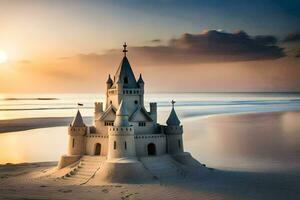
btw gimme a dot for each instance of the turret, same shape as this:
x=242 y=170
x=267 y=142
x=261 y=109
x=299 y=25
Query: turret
x=153 y=111
x=98 y=110
x=141 y=82
x=121 y=136
x=109 y=82
x=174 y=132
x=121 y=116
x=76 y=131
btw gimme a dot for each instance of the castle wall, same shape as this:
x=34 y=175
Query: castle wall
x=129 y=101
x=142 y=142
x=91 y=142
x=100 y=128
x=112 y=98
x=148 y=129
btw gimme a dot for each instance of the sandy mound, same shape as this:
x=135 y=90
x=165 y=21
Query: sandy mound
x=122 y=171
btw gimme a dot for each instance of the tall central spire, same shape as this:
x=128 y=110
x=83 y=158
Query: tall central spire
x=125 y=49
x=124 y=73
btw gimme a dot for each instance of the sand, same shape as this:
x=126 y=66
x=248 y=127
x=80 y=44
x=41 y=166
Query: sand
x=22 y=124
x=34 y=181
x=30 y=181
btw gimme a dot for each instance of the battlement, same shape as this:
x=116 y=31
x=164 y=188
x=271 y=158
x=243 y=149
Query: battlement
x=135 y=91
x=120 y=130
x=77 y=130
x=173 y=129
x=98 y=106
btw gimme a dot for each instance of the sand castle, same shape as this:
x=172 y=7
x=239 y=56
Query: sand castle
x=126 y=144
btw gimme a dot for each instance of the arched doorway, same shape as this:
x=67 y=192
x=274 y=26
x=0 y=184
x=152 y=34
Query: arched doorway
x=151 y=149
x=98 y=149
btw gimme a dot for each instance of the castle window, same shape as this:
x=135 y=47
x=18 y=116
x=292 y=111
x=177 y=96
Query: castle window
x=136 y=101
x=108 y=123
x=142 y=123
x=125 y=80
x=130 y=92
x=110 y=102
x=179 y=144
x=73 y=143
x=115 y=145
x=125 y=145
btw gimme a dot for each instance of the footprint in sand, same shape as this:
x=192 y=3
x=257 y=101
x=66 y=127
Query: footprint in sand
x=43 y=186
x=105 y=190
x=65 y=191
x=126 y=197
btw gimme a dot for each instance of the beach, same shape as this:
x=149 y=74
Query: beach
x=265 y=167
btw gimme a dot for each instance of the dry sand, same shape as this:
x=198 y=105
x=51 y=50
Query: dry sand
x=30 y=181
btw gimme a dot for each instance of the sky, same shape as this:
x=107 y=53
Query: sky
x=179 y=46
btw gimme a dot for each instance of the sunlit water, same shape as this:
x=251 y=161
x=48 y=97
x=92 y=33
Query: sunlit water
x=246 y=142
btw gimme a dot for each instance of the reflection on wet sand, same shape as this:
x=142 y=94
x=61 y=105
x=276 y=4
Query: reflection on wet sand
x=246 y=141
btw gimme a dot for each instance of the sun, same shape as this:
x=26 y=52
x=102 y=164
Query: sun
x=3 y=57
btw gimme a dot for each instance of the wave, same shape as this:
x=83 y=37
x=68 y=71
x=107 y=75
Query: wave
x=223 y=103
x=22 y=99
x=47 y=108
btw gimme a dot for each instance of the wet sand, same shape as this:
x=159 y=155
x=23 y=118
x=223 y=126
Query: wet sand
x=12 y=125
x=247 y=142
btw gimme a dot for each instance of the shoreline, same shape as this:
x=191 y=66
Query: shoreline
x=23 y=124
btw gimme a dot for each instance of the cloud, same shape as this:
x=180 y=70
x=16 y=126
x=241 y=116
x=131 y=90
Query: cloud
x=265 y=39
x=292 y=37
x=207 y=47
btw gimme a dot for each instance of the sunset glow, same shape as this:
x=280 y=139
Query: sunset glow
x=3 y=57
x=242 y=45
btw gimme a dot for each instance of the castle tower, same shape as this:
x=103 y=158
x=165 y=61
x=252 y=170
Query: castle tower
x=125 y=87
x=76 y=131
x=98 y=110
x=174 y=132
x=121 y=136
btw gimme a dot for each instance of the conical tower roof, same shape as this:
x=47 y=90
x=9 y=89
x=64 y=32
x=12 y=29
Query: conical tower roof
x=141 y=79
x=121 y=116
x=122 y=111
x=109 y=81
x=78 y=121
x=173 y=118
x=125 y=74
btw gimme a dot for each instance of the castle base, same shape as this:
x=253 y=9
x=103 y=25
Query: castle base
x=193 y=167
x=122 y=171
